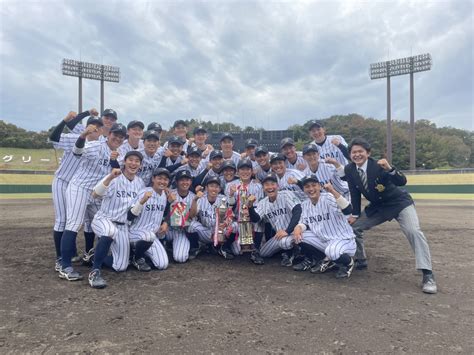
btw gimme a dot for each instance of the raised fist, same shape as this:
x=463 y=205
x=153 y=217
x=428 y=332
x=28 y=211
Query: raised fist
x=167 y=153
x=199 y=194
x=115 y=173
x=70 y=116
x=292 y=181
x=184 y=161
x=329 y=188
x=384 y=164
x=93 y=112
x=232 y=189
x=89 y=130
x=146 y=197
x=335 y=141
x=114 y=155
x=251 y=200
x=301 y=166
x=332 y=161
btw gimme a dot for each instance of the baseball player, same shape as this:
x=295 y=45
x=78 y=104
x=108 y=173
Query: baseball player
x=205 y=223
x=152 y=154
x=331 y=146
x=293 y=159
x=67 y=168
x=282 y=209
x=227 y=146
x=180 y=129
x=118 y=191
x=263 y=159
x=325 y=236
x=228 y=171
x=173 y=154
x=286 y=176
x=109 y=118
x=150 y=222
x=200 y=137
x=250 y=147
x=195 y=164
x=213 y=169
x=248 y=186
x=155 y=126
x=96 y=162
x=134 y=141
x=182 y=211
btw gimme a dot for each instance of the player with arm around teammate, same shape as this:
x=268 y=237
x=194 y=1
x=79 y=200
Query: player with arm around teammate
x=325 y=236
x=149 y=215
x=282 y=209
x=118 y=189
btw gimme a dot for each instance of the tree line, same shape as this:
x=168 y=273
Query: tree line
x=436 y=148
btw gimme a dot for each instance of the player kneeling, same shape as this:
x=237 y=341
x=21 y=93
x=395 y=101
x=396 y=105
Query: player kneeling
x=119 y=189
x=205 y=225
x=148 y=215
x=325 y=236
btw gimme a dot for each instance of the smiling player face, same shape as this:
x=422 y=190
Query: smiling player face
x=213 y=190
x=271 y=189
x=289 y=151
x=115 y=140
x=135 y=132
x=312 y=189
x=132 y=164
x=245 y=173
x=151 y=146
x=175 y=149
x=160 y=182
x=262 y=159
x=184 y=184
x=279 y=168
x=318 y=134
x=228 y=174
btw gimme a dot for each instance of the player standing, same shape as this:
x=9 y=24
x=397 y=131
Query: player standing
x=135 y=135
x=286 y=176
x=293 y=159
x=331 y=146
x=152 y=154
x=227 y=146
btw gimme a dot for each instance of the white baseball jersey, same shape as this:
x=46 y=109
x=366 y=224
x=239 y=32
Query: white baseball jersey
x=152 y=213
x=278 y=212
x=207 y=211
x=284 y=185
x=235 y=157
x=170 y=162
x=69 y=162
x=119 y=198
x=194 y=172
x=299 y=160
x=260 y=173
x=95 y=165
x=126 y=147
x=188 y=199
x=185 y=146
x=149 y=164
x=325 y=219
x=253 y=188
x=328 y=173
x=329 y=150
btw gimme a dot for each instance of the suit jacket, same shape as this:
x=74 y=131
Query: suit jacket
x=383 y=193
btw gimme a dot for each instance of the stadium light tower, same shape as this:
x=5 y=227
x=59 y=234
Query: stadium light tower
x=71 y=67
x=402 y=66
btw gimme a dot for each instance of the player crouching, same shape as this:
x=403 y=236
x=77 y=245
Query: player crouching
x=118 y=189
x=205 y=225
x=325 y=236
x=148 y=215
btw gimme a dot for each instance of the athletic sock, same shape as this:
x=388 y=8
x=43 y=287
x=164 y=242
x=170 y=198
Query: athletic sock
x=68 y=248
x=101 y=251
x=89 y=238
x=312 y=252
x=344 y=259
x=57 y=242
x=141 y=247
x=193 y=240
x=229 y=241
x=426 y=272
x=257 y=240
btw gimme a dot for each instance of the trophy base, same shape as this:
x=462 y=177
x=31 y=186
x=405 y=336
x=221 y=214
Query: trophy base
x=247 y=248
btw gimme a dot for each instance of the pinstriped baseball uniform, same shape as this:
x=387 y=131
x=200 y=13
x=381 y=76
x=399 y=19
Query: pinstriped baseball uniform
x=235 y=157
x=299 y=160
x=194 y=172
x=94 y=166
x=126 y=147
x=328 y=229
x=170 y=162
x=284 y=185
x=205 y=223
x=328 y=173
x=111 y=219
x=329 y=150
x=278 y=214
x=178 y=235
x=260 y=173
x=147 y=224
x=185 y=146
x=149 y=164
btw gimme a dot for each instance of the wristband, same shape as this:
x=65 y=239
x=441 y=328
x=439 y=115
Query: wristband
x=137 y=209
x=342 y=202
x=100 y=189
x=302 y=226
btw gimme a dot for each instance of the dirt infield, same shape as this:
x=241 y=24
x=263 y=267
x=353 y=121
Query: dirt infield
x=210 y=305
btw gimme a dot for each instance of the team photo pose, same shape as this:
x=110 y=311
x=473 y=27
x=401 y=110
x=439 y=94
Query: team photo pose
x=294 y=160
x=329 y=146
x=134 y=141
x=227 y=147
x=152 y=154
x=286 y=177
x=262 y=158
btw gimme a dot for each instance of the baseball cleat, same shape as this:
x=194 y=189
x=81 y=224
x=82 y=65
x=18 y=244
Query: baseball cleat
x=306 y=264
x=226 y=253
x=361 y=264
x=96 y=280
x=140 y=264
x=88 y=255
x=429 y=284
x=76 y=258
x=57 y=265
x=69 y=274
x=345 y=271
x=323 y=266
x=286 y=260
x=256 y=258
x=193 y=253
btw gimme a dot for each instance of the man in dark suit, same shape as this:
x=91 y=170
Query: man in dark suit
x=378 y=181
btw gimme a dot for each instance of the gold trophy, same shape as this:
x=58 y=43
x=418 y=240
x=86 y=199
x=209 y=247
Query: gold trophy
x=221 y=214
x=245 y=225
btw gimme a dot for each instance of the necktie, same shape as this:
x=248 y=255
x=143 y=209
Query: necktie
x=363 y=177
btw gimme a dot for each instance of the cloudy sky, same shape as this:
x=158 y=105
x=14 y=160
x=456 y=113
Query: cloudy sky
x=256 y=63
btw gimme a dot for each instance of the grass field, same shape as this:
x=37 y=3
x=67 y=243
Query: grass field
x=19 y=155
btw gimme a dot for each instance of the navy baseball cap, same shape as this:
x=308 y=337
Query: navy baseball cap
x=155 y=126
x=180 y=123
x=135 y=153
x=314 y=123
x=251 y=143
x=213 y=179
x=216 y=154
x=175 y=139
x=226 y=136
x=110 y=113
x=286 y=141
x=261 y=150
x=194 y=151
x=161 y=171
x=270 y=177
x=311 y=147
x=182 y=174
x=151 y=135
x=308 y=178
x=228 y=164
x=95 y=120
x=199 y=129
x=118 y=128
x=276 y=157
x=135 y=123
x=245 y=163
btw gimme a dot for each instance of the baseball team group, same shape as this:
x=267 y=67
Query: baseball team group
x=141 y=202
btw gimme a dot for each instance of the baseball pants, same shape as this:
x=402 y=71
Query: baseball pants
x=120 y=247
x=332 y=248
x=410 y=226
x=80 y=207
x=156 y=252
x=181 y=244
x=274 y=245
